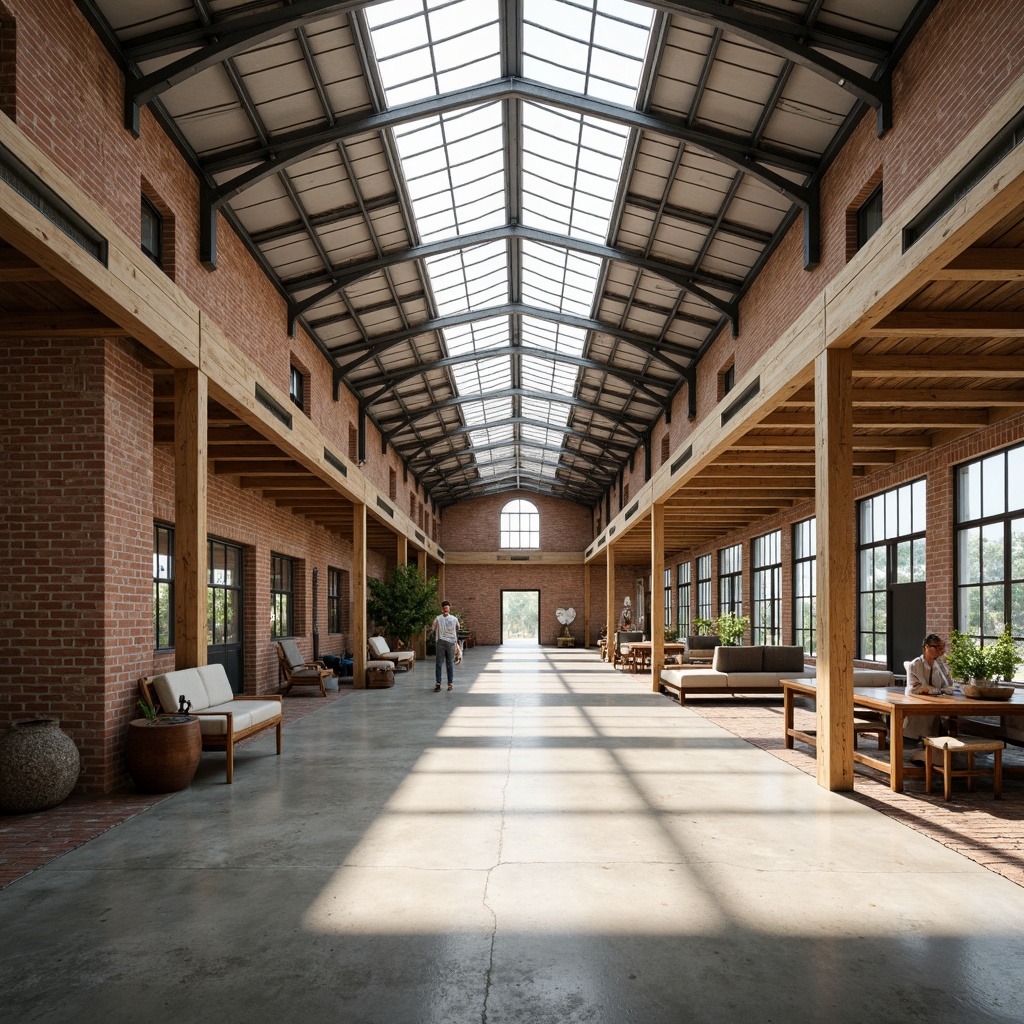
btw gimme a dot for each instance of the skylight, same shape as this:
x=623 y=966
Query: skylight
x=456 y=174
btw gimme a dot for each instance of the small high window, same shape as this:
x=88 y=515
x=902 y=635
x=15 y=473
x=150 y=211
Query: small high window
x=297 y=388
x=152 y=232
x=869 y=217
x=520 y=525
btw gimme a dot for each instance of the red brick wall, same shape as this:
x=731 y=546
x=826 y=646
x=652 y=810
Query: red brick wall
x=475 y=525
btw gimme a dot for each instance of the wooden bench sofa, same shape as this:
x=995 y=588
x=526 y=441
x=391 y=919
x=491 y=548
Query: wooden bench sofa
x=757 y=669
x=225 y=718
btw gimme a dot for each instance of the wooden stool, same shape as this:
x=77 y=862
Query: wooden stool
x=878 y=729
x=969 y=745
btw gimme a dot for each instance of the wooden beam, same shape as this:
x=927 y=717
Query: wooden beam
x=977 y=397
x=359 y=597
x=279 y=465
x=836 y=598
x=190 y=542
x=958 y=365
x=657 y=594
x=16 y=268
x=79 y=324
x=929 y=323
x=983 y=263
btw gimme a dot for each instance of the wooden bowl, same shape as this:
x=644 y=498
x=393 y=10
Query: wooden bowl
x=987 y=692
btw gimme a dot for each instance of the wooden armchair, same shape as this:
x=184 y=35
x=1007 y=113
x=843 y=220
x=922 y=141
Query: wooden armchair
x=297 y=672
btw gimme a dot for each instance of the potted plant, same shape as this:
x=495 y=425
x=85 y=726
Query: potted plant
x=731 y=628
x=965 y=658
x=1003 y=657
x=702 y=627
x=403 y=605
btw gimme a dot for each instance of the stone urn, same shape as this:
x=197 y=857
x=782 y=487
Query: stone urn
x=162 y=755
x=39 y=765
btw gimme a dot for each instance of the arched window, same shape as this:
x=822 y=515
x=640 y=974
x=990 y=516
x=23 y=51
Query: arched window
x=520 y=525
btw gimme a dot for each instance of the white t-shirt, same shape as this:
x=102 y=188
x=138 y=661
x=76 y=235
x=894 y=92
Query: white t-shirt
x=447 y=628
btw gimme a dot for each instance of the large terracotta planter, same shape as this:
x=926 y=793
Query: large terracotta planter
x=39 y=765
x=163 y=755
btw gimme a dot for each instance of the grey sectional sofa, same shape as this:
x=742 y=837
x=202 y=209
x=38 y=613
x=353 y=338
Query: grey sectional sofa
x=753 y=670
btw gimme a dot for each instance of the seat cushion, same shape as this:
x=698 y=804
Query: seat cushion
x=379 y=646
x=244 y=714
x=738 y=659
x=783 y=659
x=185 y=682
x=215 y=679
x=290 y=649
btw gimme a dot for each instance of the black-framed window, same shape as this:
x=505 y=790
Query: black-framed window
x=869 y=216
x=223 y=593
x=989 y=572
x=683 y=599
x=730 y=580
x=766 y=587
x=705 y=607
x=805 y=585
x=333 y=600
x=152 y=232
x=890 y=550
x=668 y=598
x=163 y=587
x=297 y=388
x=282 y=596
x=728 y=379
x=519 y=525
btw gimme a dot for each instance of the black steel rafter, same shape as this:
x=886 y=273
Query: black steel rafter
x=644 y=384
x=358 y=351
x=683 y=278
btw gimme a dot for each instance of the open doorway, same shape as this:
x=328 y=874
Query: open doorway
x=520 y=616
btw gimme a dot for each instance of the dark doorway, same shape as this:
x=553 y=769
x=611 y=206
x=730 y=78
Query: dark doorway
x=907 y=623
x=224 y=611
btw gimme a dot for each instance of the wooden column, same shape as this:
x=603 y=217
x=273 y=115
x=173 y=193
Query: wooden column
x=402 y=555
x=586 y=604
x=834 y=508
x=609 y=580
x=359 y=597
x=421 y=640
x=657 y=594
x=191 y=388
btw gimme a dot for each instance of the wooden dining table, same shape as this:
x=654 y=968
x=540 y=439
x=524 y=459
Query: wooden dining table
x=892 y=701
x=640 y=652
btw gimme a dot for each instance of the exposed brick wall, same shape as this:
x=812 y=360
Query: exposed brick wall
x=475 y=525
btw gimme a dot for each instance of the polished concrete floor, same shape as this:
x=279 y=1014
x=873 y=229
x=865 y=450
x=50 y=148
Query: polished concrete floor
x=551 y=842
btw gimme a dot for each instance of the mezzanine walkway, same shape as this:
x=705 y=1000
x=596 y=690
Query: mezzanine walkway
x=551 y=842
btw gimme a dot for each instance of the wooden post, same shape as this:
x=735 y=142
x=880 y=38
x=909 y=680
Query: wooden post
x=191 y=389
x=359 y=597
x=609 y=587
x=586 y=604
x=657 y=594
x=833 y=439
x=402 y=555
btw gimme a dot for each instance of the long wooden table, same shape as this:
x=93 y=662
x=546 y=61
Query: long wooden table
x=895 y=703
x=640 y=652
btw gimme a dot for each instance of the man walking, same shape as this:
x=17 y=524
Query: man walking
x=446 y=631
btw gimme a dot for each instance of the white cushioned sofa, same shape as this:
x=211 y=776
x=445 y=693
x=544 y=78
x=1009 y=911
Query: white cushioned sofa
x=757 y=669
x=224 y=717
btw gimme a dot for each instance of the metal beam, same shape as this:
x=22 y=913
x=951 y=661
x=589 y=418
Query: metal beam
x=643 y=384
x=381 y=343
x=686 y=280
x=483 y=396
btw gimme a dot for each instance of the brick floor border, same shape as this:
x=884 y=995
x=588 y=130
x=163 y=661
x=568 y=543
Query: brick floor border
x=28 y=841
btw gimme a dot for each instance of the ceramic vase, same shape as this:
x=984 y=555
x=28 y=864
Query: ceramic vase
x=39 y=766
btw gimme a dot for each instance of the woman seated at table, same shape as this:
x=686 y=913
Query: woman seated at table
x=927 y=675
